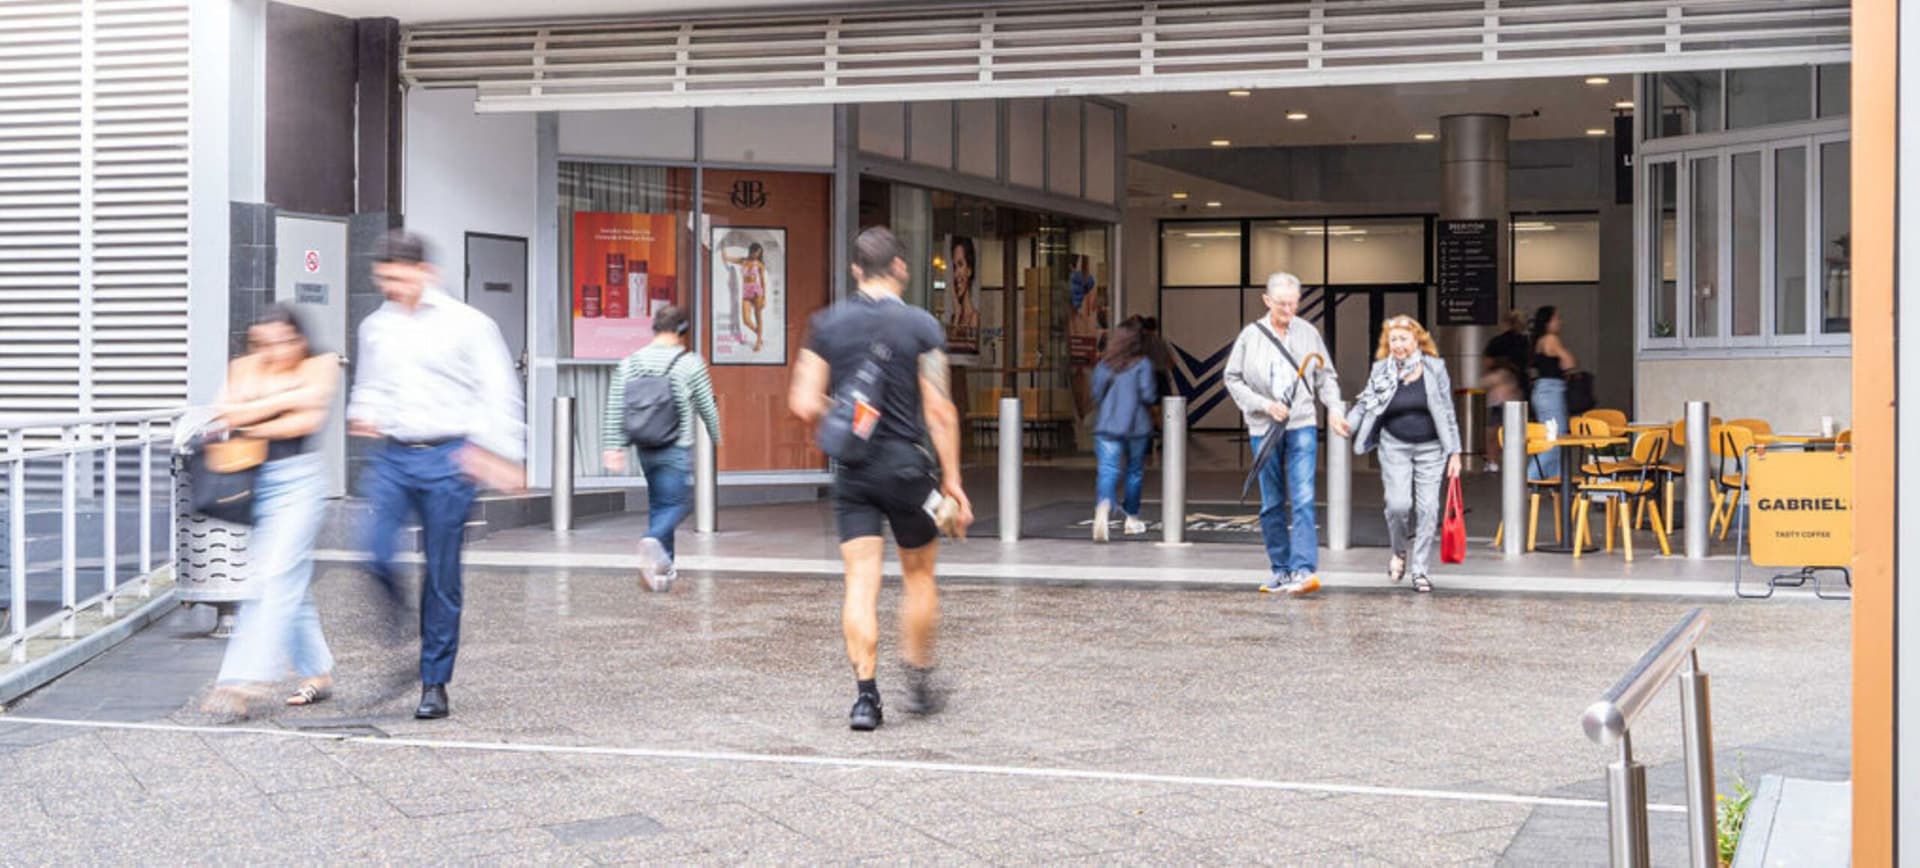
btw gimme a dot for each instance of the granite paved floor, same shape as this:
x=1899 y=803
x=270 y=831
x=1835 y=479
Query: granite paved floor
x=596 y=724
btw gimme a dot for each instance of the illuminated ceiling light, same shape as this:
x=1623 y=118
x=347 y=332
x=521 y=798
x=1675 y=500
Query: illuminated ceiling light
x=1221 y=143
x=1598 y=80
x=1596 y=131
x=1424 y=137
x=1239 y=91
x=1179 y=194
x=1217 y=233
x=1213 y=204
x=1625 y=105
x=1296 y=116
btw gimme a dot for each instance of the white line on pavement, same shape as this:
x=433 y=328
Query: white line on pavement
x=721 y=757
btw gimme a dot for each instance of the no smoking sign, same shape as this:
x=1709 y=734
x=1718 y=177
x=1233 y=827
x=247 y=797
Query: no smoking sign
x=313 y=262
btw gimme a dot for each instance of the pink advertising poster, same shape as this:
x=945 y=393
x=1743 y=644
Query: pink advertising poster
x=623 y=272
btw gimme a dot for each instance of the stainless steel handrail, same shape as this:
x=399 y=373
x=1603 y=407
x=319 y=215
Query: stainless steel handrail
x=1606 y=721
x=157 y=414
x=1609 y=721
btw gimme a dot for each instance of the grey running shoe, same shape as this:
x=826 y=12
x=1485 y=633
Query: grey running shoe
x=924 y=695
x=1303 y=584
x=1278 y=584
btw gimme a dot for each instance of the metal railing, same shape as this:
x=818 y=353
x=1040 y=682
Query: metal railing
x=75 y=442
x=1609 y=721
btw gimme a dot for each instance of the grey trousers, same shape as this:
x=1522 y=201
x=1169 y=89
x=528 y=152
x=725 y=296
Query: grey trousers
x=1411 y=474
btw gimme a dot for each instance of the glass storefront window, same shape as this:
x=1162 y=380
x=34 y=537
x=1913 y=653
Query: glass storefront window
x=1294 y=246
x=634 y=256
x=1666 y=243
x=1704 y=229
x=1362 y=251
x=1556 y=248
x=1200 y=254
x=1686 y=103
x=1790 y=241
x=1836 y=238
x=1747 y=246
x=1777 y=95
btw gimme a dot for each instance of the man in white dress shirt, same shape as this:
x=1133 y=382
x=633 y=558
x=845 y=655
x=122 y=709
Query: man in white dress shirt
x=435 y=383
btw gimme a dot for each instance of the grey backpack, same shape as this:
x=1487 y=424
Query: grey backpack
x=651 y=418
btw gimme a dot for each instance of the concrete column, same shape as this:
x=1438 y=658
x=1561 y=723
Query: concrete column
x=1473 y=186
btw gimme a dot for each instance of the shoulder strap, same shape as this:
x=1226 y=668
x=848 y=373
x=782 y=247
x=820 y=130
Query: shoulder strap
x=676 y=360
x=1291 y=361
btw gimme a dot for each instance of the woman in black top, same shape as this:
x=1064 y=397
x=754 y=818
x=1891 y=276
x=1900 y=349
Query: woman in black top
x=1551 y=362
x=1406 y=412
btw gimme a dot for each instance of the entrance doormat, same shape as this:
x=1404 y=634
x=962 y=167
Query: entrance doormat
x=1207 y=522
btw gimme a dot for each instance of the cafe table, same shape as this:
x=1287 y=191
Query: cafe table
x=1805 y=441
x=1573 y=454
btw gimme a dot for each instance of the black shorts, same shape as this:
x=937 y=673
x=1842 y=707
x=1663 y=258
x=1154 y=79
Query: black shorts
x=893 y=490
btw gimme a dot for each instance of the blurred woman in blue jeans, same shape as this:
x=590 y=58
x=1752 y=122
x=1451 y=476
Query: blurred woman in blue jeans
x=1552 y=361
x=280 y=392
x=1124 y=394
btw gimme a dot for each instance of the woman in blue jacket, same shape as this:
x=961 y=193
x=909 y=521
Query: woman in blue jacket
x=1124 y=393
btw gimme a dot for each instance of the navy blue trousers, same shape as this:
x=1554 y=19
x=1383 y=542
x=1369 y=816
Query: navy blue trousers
x=404 y=481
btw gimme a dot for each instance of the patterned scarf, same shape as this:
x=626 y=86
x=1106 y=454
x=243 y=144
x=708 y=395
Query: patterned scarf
x=1384 y=382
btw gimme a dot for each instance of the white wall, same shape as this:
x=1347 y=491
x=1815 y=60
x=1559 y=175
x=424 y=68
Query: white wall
x=1792 y=394
x=658 y=134
x=466 y=172
x=798 y=135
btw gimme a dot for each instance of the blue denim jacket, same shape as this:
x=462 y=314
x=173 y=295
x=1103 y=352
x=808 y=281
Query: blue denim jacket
x=1125 y=400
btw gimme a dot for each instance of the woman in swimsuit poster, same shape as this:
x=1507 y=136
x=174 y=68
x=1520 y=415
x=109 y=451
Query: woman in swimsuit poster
x=753 y=291
x=963 y=316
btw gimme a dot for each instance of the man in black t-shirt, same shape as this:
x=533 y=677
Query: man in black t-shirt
x=897 y=482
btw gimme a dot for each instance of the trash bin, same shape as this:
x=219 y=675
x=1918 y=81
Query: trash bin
x=210 y=556
x=1470 y=405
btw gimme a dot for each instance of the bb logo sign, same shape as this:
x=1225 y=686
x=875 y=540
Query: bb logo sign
x=749 y=194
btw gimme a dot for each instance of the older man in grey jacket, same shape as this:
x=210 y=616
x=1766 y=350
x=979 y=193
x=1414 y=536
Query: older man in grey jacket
x=1278 y=366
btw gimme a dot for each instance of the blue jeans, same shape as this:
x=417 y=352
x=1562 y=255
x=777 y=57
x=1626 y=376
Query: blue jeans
x=1549 y=404
x=1118 y=455
x=1287 y=522
x=669 y=472
x=428 y=482
x=279 y=629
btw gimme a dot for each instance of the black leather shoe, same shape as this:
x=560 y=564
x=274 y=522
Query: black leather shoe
x=433 y=702
x=866 y=714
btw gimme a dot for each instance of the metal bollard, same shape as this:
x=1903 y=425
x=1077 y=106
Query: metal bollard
x=1011 y=428
x=1513 y=476
x=1173 y=469
x=562 y=488
x=1698 y=470
x=1696 y=721
x=1627 y=809
x=1339 y=491
x=706 y=491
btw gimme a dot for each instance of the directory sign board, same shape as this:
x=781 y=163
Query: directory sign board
x=1469 y=272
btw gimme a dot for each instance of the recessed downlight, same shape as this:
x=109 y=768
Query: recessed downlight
x=1296 y=115
x=1213 y=204
x=1624 y=105
x=1597 y=80
x=1424 y=136
x=1179 y=194
x=1221 y=143
x=1240 y=91
x=1596 y=131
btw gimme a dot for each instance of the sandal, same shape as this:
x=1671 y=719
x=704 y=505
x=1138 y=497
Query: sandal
x=1422 y=585
x=311 y=691
x=1397 y=569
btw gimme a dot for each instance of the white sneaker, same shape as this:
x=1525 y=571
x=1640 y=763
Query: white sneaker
x=654 y=566
x=1135 y=526
x=1100 y=522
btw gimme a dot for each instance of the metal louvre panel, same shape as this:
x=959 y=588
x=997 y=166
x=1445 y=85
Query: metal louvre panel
x=1045 y=47
x=93 y=205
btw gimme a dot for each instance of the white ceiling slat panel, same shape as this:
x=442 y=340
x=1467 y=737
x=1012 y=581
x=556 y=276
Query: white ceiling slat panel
x=1014 y=48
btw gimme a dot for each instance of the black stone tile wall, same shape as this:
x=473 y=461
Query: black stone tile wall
x=250 y=265
x=363 y=298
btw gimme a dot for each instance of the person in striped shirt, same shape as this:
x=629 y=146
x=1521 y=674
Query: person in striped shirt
x=668 y=469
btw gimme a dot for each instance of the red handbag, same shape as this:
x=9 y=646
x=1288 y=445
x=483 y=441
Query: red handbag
x=1453 y=526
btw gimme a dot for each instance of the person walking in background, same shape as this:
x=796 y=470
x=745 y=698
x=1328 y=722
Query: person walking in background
x=1406 y=412
x=1512 y=349
x=1551 y=364
x=1272 y=376
x=280 y=392
x=436 y=386
x=1123 y=391
x=885 y=360
x=667 y=464
x=1159 y=355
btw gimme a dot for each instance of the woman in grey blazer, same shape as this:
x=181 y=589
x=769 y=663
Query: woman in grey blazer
x=1406 y=411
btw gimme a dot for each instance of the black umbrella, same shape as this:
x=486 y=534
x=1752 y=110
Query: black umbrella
x=1268 y=446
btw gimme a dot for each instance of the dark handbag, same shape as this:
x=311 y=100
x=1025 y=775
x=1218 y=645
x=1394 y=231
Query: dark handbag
x=845 y=433
x=1579 y=393
x=222 y=473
